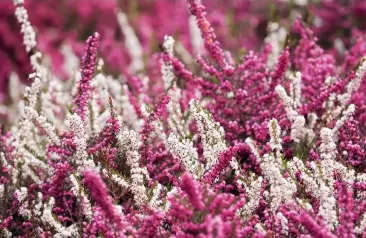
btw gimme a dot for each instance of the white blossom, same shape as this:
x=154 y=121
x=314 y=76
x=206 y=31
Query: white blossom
x=62 y=232
x=29 y=35
x=132 y=43
x=328 y=148
x=275 y=133
x=187 y=153
x=347 y=114
x=276 y=38
x=287 y=101
x=253 y=196
x=282 y=189
x=212 y=135
x=298 y=129
x=353 y=85
x=128 y=144
x=295 y=89
x=284 y=222
x=155 y=200
x=80 y=140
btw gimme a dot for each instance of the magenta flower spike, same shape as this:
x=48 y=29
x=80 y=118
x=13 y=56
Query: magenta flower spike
x=88 y=66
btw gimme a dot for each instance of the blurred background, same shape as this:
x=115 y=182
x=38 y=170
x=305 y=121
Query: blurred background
x=241 y=25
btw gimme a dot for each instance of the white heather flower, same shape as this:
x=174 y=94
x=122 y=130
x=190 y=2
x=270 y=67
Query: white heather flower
x=329 y=166
x=253 y=196
x=24 y=136
x=276 y=38
x=230 y=94
x=75 y=185
x=76 y=125
x=353 y=85
x=21 y=14
x=159 y=131
x=39 y=205
x=295 y=89
x=48 y=128
x=47 y=217
x=29 y=35
x=195 y=34
x=39 y=68
x=132 y=43
x=80 y=140
x=211 y=132
x=128 y=145
x=168 y=44
x=259 y=228
x=328 y=207
x=166 y=68
x=176 y=119
x=282 y=189
x=316 y=183
x=307 y=206
x=253 y=148
x=31 y=92
x=298 y=130
x=347 y=114
x=287 y=101
x=155 y=200
x=185 y=150
x=328 y=148
x=116 y=179
x=22 y=195
x=6 y=233
x=284 y=222
x=275 y=139
x=311 y=185
x=275 y=133
x=83 y=199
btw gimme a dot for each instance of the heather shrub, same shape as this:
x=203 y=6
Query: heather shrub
x=241 y=125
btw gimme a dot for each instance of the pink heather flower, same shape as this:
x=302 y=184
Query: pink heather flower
x=346 y=215
x=223 y=162
x=305 y=219
x=99 y=194
x=189 y=186
x=209 y=36
x=281 y=67
x=106 y=137
x=87 y=71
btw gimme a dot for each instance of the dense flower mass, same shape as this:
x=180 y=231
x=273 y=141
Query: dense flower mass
x=183 y=118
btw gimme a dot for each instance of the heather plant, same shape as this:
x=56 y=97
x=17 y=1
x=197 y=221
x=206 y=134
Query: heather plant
x=193 y=141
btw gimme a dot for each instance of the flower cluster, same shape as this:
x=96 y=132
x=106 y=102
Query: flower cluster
x=194 y=140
